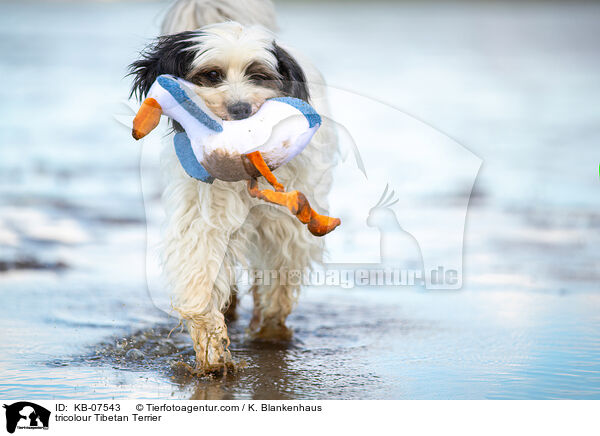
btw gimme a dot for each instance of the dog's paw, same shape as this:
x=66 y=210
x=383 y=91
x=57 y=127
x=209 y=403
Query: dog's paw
x=270 y=331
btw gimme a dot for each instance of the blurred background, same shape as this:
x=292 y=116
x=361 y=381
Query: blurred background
x=515 y=82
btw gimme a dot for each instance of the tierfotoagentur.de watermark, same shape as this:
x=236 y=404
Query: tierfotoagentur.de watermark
x=347 y=278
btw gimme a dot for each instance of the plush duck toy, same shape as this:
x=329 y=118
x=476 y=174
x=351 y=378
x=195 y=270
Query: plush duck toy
x=211 y=148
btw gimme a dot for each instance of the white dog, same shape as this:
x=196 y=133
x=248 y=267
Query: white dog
x=226 y=48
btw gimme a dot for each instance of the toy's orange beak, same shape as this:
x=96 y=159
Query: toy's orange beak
x=146 y=119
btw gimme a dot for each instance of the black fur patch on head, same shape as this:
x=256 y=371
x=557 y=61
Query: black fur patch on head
x=293 y=78
x=169 y=54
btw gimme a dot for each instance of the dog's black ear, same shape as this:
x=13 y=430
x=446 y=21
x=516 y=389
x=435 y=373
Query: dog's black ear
x=294 y=80
x=170 y=54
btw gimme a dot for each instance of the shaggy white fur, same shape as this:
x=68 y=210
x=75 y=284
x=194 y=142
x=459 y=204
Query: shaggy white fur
x=191 y=14
x=211 y=229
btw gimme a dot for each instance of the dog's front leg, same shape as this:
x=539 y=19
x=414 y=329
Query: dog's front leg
x=200 y=299
x=202 y=291
x=199 y=253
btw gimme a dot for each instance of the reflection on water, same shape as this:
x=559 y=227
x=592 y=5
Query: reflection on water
x=76 y=319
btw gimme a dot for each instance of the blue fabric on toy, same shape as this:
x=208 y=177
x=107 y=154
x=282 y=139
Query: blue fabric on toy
x=307 y=110
x=183 y=148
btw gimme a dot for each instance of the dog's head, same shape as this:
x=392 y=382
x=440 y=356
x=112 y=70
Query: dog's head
x=235 y=68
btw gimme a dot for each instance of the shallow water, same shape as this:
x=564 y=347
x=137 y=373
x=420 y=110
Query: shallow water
x=498 y=79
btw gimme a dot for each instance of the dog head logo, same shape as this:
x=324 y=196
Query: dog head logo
x=25 y=415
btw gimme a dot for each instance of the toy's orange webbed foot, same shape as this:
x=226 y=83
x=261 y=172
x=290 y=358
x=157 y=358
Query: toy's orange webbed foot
x=297 y=203
x=146 y=119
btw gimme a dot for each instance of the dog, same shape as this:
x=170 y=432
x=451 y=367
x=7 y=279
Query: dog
x=229 y=50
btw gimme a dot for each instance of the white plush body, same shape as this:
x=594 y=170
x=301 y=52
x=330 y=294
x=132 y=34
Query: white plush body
x=279 y=130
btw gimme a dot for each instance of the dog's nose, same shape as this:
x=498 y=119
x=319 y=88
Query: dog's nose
x=239 y=110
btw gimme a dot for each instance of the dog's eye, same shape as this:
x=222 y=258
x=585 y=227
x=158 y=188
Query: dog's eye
x=259 y=77
x=212 y=76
